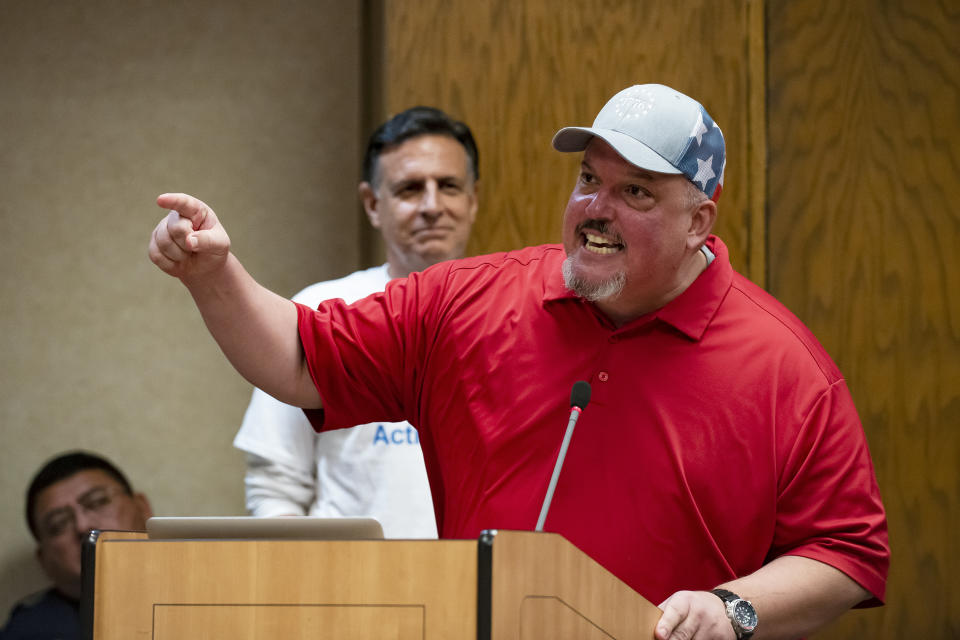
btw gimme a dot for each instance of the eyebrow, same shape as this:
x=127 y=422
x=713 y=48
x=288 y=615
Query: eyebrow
x=53 y=513
x=92 y=490
x=422 y=180
x=86 y=494
x=635 y=172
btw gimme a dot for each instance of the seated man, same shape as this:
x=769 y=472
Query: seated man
x=71 y=495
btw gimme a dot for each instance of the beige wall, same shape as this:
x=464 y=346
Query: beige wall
x=255 y=107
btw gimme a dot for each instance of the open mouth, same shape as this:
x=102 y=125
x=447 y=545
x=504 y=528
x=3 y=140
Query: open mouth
x=599 y=244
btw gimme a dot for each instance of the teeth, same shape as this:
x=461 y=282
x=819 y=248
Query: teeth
x=602 y=250
x=599 y=244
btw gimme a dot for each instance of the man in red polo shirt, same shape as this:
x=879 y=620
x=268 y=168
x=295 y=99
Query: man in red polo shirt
x=721 y=453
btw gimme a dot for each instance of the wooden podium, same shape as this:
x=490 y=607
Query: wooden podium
x=509 y=585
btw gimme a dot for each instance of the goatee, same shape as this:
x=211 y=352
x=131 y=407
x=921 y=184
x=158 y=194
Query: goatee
x=592 y=291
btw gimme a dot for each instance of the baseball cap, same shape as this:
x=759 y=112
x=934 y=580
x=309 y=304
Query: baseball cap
x=659 y=129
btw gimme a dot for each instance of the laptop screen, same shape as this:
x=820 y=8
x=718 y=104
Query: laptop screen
x=248 y=527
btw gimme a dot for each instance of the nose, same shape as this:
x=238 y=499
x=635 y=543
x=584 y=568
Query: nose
x=430 y=206
x=85 y=521
x=599 y=205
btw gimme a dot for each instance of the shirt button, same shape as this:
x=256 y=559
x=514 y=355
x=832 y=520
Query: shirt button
x=603 y=376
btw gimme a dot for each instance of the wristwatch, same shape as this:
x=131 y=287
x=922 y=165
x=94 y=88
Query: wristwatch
x=742 y=615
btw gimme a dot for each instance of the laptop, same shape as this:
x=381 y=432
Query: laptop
x=249 y=527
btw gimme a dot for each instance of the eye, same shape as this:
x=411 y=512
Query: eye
x=637 y=191
x=587 y=178
x=408 y=190
x=450 y=187
x=56 y=528
x=96 y=501
x=57 y=524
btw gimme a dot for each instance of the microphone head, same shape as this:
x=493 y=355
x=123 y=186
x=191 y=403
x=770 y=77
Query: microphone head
x=580 y=395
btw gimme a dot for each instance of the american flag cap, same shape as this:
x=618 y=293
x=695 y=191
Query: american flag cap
x=658 y=129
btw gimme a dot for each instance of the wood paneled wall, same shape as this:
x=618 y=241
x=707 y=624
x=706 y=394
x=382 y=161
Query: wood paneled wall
x=518 y=71
x=864 y=108
x=844 y=115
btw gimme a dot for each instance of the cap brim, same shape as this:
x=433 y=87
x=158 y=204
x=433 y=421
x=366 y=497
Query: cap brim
x=633 y=151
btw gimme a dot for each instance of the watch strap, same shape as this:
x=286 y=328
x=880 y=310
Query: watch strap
x=726 y=596
x=729 y=598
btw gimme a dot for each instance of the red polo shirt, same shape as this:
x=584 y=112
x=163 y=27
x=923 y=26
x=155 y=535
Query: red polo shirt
x=719 y=435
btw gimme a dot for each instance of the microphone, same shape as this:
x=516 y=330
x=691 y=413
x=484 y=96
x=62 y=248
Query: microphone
x=579 y=398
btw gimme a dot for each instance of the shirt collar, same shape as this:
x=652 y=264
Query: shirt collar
x=690 y=313
x=554 y=288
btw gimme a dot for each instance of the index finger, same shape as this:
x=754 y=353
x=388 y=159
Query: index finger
x=669 y=620
x=193 y=209
x=675 y=610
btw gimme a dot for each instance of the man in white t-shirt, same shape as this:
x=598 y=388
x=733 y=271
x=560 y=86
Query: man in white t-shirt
x=420 y=190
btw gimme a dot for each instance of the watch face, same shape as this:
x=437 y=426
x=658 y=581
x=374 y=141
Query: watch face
x=744 y=615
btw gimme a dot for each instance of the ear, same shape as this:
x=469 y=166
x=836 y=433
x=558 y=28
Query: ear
x=701 y=223
x=42 y=559
x=474 y=200
x=143 y=505
x=369 y=199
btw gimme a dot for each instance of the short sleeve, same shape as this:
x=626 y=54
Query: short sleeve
x=829 y=507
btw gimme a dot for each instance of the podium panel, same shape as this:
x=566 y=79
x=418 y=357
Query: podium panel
x=509 y=585
x=544 y=587
x=252 y=622
x=542 y=615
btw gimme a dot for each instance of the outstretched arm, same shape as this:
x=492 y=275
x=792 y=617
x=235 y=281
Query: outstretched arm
x=255 y=328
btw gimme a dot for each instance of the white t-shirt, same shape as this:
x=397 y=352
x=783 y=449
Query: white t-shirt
x=373 y=469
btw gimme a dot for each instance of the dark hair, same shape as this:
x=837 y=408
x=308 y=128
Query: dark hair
x=418 y=121
x=62 y=467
